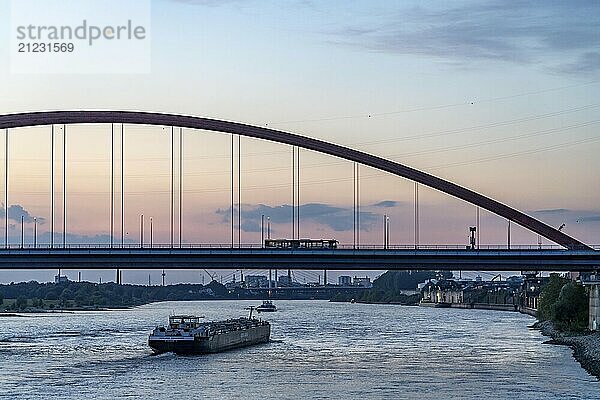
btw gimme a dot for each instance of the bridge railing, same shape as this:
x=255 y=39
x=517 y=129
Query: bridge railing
x=47 y=246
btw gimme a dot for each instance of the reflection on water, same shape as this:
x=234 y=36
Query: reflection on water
x=319 y=350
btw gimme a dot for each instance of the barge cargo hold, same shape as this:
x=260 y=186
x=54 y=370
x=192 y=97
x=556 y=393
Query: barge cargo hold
x=185 y=334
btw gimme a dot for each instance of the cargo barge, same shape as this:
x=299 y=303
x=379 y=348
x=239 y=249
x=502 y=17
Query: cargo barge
x=185 y=334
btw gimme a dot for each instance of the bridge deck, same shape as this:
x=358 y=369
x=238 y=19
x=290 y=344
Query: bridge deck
x=338 y=259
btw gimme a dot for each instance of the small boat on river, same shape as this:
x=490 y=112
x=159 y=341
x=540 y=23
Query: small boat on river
x=266 y=306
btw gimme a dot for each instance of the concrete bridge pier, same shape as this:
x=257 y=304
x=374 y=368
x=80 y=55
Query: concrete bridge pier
x=594 y=313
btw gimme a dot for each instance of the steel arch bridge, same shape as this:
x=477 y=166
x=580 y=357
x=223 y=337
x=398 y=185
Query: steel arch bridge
x=184 y=121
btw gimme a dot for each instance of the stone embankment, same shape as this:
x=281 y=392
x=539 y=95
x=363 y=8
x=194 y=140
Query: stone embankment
x=586 y=347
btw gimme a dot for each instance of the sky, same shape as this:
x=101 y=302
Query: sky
x=501 y=97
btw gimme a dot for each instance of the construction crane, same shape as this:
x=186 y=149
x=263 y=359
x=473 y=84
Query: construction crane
x=212 y=276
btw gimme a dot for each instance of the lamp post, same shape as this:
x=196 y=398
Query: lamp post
x=22 y=232
x=142 y=230
x=387 y=231
x=384 y=230
x=34 y=232
x=151 y=233
x=262 y=230
x=268 y=227
x=472 y=237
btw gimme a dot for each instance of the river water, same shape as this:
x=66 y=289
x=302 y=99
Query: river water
x=319 y=350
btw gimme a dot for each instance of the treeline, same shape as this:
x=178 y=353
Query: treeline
x=484 y=295
x=387 y=288
x=565 y=303
x=92 y=295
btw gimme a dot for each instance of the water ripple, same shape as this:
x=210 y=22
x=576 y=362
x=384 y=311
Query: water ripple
x=319 y=350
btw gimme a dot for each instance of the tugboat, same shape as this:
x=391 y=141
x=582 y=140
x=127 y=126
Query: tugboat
x=185 y=334
x=266 y=306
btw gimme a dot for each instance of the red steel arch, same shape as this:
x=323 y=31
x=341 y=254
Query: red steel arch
x=147 y=118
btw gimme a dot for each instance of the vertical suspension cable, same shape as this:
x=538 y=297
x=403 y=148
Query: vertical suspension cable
x=122 y=185
x=6 y=187
x=477 y=227
x=180 y=184
x=298 y=194
x=354 y=204
x=112 y=183
x=357 y=206
x=417 y=233
x=112 y=196
x=415 y=213
x=232 y=190
x=64 y=185
x=239 y=191
x=293 y=192
x=52 y=190
x=171 y=222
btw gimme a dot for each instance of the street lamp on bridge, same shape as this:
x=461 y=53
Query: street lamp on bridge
x=151 y=233
x=22 y=232
x=142 y=230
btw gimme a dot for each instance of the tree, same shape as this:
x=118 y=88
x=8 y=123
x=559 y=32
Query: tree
x=571 y=308
x=565 y=303
x=21 y=302
x=549 y=297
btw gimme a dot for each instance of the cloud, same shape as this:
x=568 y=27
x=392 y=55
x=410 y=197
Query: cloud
x=250 y=225
x=565 y=215
x=593 y=218
x=74 y=238
x=515 y=32
x=552 y=211
x=337 y=218
x=16 y=211
x=387 y=203
x=587 y=63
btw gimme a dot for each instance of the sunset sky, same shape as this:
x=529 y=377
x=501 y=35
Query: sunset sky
x=501 y=97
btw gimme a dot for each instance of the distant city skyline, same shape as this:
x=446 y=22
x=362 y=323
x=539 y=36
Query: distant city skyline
x=499 y=97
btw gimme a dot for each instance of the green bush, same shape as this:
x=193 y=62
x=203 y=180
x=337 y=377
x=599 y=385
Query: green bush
x=571 y=308
x=549 y=297
x=565 y=303
x=21 y=302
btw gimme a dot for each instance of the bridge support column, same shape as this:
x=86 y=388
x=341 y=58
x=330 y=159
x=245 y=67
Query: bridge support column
x=594 y=312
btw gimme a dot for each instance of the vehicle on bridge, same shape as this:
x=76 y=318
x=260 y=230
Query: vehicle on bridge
x=301 y=243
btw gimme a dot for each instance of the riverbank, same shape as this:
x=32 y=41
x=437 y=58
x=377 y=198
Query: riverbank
x=586 y=347
x=59 y=310
x=483 y=306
